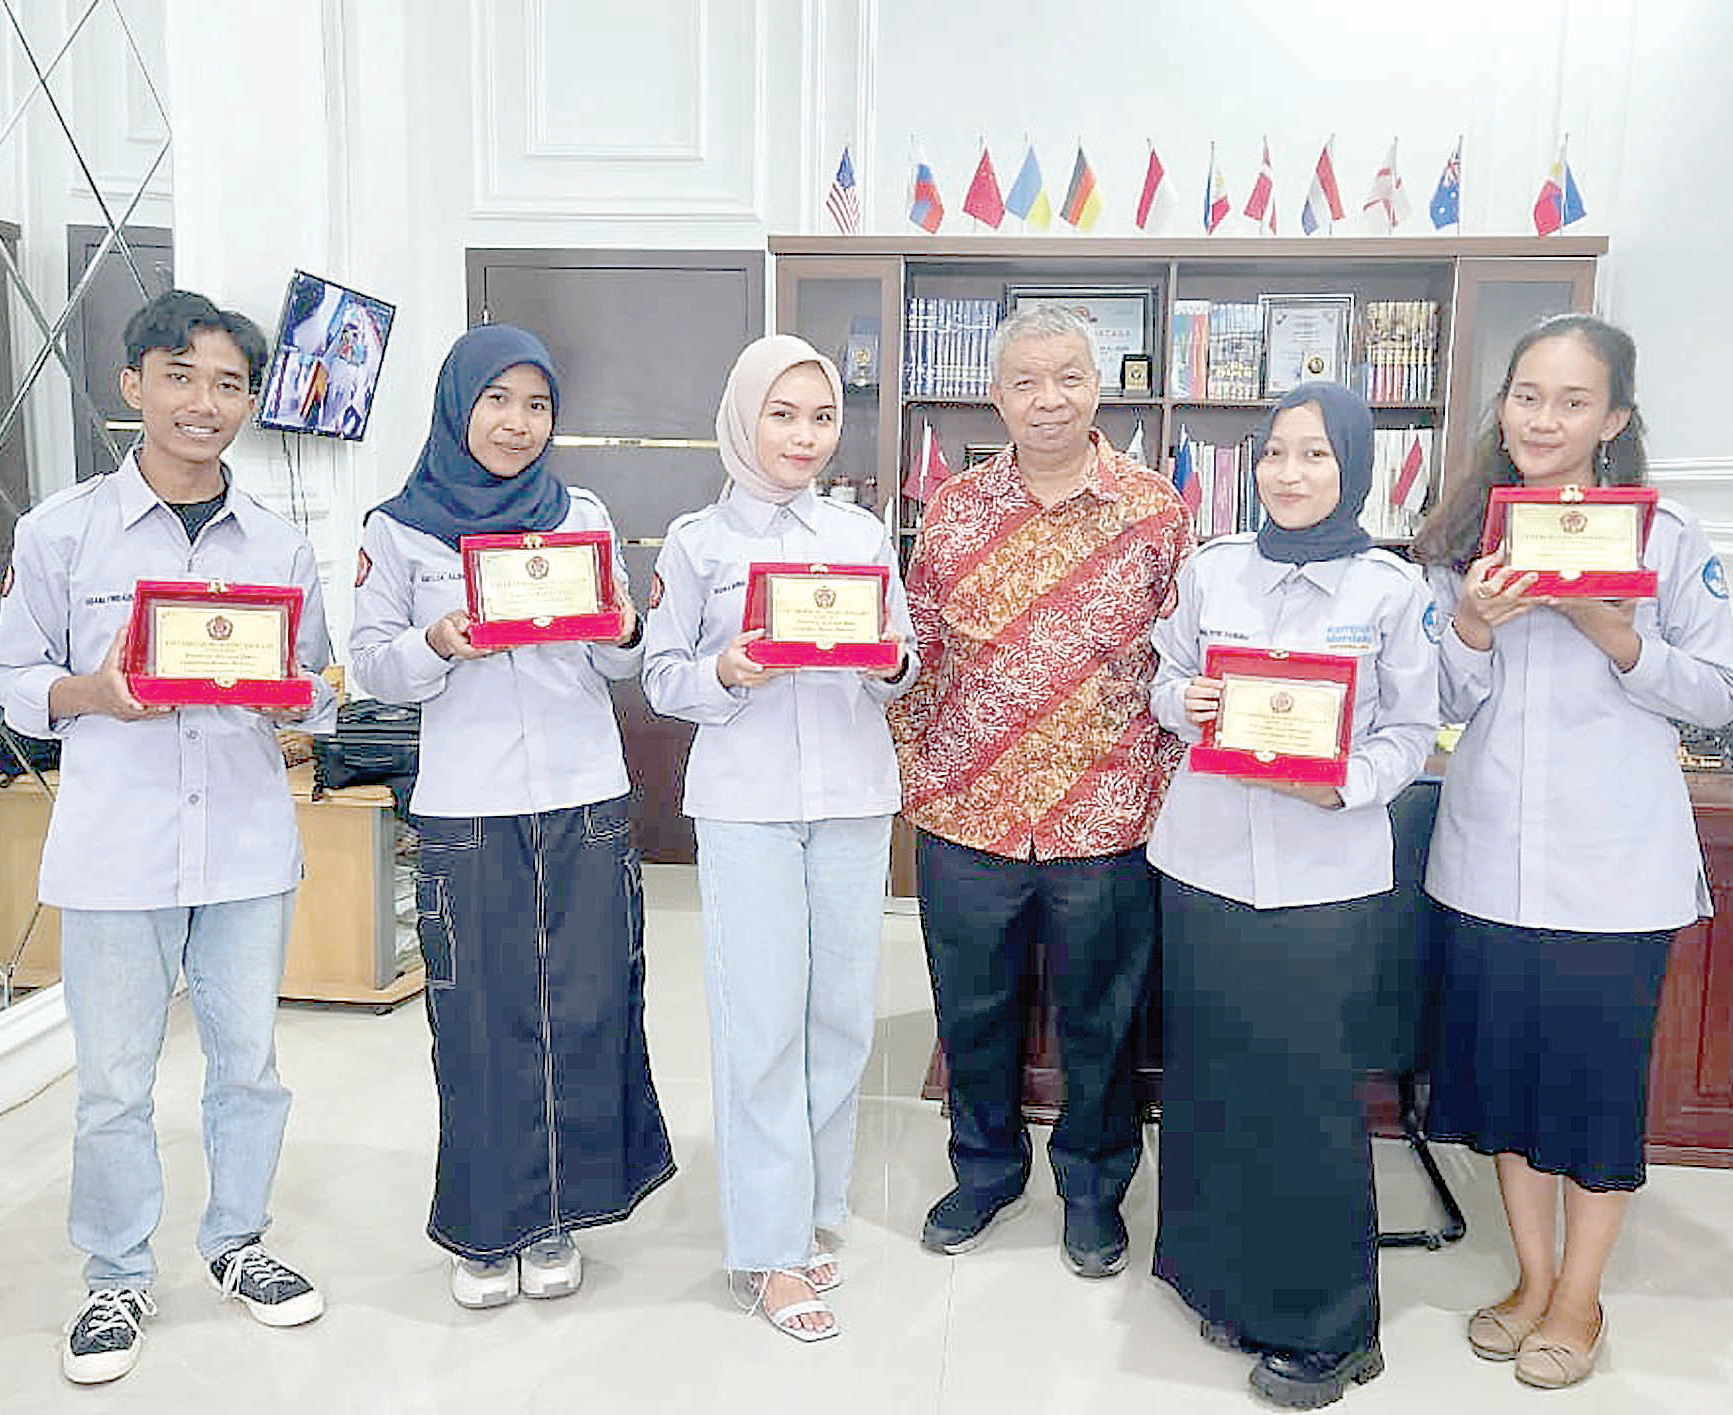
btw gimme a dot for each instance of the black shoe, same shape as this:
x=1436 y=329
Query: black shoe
x=105 y=1335
x=960 y=1220
x=272 y=1292
x=1304 y=1380
x=1095 y=1243
x=1222 y=1334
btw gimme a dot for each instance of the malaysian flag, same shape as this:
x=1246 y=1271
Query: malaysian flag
x=843 y=203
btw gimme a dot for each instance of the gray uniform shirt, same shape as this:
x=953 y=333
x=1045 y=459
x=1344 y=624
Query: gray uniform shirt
x=528 y=729
x=1564 y=806
x=1249 y=843
x=186 y=809
x=809 y=746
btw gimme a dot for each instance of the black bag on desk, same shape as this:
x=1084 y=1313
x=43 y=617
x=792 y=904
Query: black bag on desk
x=43 y=755
x=375 y=744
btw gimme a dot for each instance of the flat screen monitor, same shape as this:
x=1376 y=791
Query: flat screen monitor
x=330 y=345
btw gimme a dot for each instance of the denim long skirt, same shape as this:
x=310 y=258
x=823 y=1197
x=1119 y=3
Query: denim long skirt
x=532 y=928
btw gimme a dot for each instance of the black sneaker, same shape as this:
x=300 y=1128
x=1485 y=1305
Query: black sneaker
x=1095 y=1241
x=1304 y=1380
x=960 y=1220
x=105 y=1335
x=272 y=1292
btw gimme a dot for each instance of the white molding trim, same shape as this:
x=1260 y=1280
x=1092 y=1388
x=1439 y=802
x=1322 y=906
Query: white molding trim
x=1672 y=471
x=866 y=109
x=695 y=148
x=35 y=1046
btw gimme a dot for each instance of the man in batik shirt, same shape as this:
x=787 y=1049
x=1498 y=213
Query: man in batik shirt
x=1032 y=769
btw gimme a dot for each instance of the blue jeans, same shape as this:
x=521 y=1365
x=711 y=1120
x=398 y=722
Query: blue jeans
x=119 y=968
x=792 y=918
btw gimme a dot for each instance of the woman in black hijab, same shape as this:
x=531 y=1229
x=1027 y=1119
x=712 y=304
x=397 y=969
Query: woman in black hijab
x=528 y=895
x=1271 y=894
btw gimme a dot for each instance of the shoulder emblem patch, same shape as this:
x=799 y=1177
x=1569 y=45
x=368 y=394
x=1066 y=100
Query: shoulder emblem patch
x=1715 y=577
x=6 y=582
x=363 y=568
x=1433 y=623
x=655 y=590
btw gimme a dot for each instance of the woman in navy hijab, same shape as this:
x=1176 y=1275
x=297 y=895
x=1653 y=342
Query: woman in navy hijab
x=528 y=895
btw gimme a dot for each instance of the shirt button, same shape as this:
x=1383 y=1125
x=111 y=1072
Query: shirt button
x=193 y=799
x=192 y=734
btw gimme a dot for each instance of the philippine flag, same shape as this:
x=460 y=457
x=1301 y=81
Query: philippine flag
x=1323 y=197
x=925 y=208
x=1559 y=202
x=1215 y=195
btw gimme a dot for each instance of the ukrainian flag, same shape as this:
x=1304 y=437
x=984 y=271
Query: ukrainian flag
x=1027 y=199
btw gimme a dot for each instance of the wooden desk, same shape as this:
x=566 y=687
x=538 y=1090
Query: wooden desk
x=343 y=947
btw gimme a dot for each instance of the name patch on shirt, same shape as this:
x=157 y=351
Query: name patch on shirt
x=731 y=585
x=439 y=577
x=1715 y=577
x=118 y=597
x=1351 y=636
x=1229 y=636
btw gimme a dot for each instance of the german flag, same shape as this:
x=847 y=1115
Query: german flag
x=1082 y=200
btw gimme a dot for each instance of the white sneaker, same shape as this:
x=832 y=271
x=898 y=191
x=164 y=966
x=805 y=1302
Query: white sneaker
x=105 y=1335
x=483 y=1284
x=552 y=1268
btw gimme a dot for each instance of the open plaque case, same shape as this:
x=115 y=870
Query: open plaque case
x=208 y=642
x=819 y=616
x=1284 y=716
x=1581 y=542
x=541 y=587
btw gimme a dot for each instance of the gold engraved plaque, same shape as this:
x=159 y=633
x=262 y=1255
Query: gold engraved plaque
x=222 y=643
x=538 y=583
x=822 y=610
x=1286 y=717
x=1569 y=536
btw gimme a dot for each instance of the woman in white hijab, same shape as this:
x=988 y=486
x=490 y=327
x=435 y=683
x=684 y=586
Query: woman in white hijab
x=791 y=784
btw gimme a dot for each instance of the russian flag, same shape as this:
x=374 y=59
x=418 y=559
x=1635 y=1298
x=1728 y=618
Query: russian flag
x=1185 y=480
x=925 y=208
x=1215 y=195
x=1559 y=202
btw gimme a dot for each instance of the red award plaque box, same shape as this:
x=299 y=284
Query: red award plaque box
x=209 y=642
x=541 y=587
x=1284 y=716
x=1583 y=542
x=819 y=616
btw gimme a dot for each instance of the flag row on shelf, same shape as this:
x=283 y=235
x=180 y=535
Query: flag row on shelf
x=1558 y=204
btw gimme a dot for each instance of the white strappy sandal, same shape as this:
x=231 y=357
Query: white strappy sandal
x=783 y=1318
x=822 y=1259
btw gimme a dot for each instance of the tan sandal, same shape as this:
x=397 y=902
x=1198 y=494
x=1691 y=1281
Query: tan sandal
x=1496 y=1335
x=1554 y=1365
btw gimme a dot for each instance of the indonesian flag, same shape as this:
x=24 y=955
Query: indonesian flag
x=1559 y=202
x=1408 y=490
x=1260 y=205
x=1323 y=197
x=925 y=208
x=1082 y=198
x=1215 y=195
x=1152 y=176
x=928 y=469
x=984 y=202
x=1387 y=197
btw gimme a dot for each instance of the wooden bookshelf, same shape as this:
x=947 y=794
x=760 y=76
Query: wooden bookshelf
x=1488 y=289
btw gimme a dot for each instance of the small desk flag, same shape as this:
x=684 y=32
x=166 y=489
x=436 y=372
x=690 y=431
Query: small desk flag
x=1082 y=198
x=1152 y=176
x=1446 y=207
x=843 y=203
x=1260 y=205
x=1559 y=202
x=1215 y=195
x=928 y=469
x=1027 y=199
x=1408 y=490
x=1323 y=197
x=925 y=208
x=1387 y=198
x=983 y=201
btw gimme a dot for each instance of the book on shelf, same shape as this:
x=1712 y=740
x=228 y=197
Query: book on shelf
x=1401 y=351
x=1226 y=496
x=1215 y=350
x=945 y=344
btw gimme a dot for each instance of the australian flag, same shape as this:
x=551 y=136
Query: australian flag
x=1446 y=207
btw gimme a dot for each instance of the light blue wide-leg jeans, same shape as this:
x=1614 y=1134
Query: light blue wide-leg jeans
x=119 y=969
x=792 y=917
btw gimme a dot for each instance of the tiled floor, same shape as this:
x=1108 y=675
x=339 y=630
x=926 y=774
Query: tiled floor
x=1004 y=1329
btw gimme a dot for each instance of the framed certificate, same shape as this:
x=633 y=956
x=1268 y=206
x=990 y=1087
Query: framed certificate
x=541 y=587
x=1306 y=338
x=208 y=642
x=1582 y=542
x=1284 y=716
x=819 y=616
x=1118 y=317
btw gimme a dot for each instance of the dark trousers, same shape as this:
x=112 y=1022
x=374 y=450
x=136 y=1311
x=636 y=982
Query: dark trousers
x=532 y=927
x=1095 y=921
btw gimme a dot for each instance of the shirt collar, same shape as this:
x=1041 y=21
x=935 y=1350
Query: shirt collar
x=1325 y=574
x=137 y=497
x=1100 y=479
x=758 y=515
